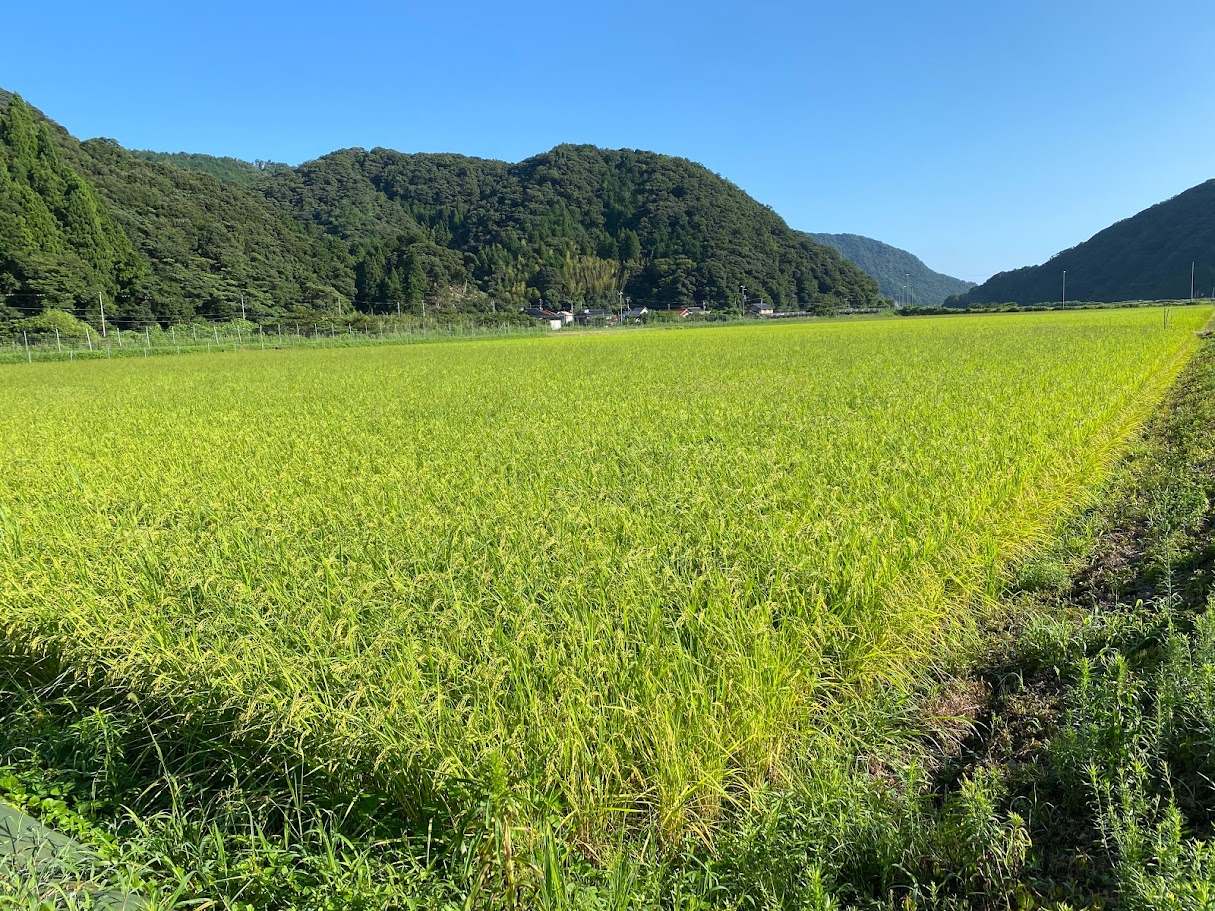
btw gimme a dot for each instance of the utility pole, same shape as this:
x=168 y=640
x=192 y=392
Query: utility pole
x=242 y=307
x=1064 y=289
x=101 y=301
x=1191 y=281
x=742 y=289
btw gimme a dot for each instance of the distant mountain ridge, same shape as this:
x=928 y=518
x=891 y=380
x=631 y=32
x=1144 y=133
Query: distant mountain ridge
x=387 y=232
x=1145 y=257
x=895 y=269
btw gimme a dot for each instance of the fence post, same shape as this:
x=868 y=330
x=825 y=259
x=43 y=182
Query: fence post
x=89 y=335
x=58 y=346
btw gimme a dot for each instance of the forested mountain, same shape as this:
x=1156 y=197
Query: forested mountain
x=59 y=243
x=1145 y=257
x=190 y=244
x=208 y=243
x=577 y=223
x=174 y=236
x=900 y=275
x=232 y=170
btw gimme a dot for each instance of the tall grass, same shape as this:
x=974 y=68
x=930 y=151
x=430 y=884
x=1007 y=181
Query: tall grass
x=599 y=581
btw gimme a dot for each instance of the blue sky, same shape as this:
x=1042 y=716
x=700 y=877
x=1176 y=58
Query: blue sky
x=981 y=136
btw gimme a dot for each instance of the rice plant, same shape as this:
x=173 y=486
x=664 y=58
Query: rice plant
x=597 y=583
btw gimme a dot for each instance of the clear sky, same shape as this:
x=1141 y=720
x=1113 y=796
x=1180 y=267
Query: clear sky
x=979 y=135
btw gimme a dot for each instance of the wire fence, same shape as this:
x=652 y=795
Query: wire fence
x=26 y=347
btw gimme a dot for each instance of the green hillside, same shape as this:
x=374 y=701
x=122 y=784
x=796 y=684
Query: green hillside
x=900 y=275
x=178 y=236
x=1145 y=257
x=193 y=244
x=231 y=170
x=578 y=224
x=208 y=243
x=59 y=242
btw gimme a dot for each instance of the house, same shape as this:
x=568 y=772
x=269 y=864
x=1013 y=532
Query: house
x=634 y=314
x=594 y=317
x=565 y=316
x=553 y=319
x=760 y=308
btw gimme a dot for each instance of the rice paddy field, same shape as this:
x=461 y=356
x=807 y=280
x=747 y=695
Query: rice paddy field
x=628 y=579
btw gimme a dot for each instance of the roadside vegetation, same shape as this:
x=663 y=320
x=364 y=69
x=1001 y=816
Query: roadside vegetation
x=767 y=659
